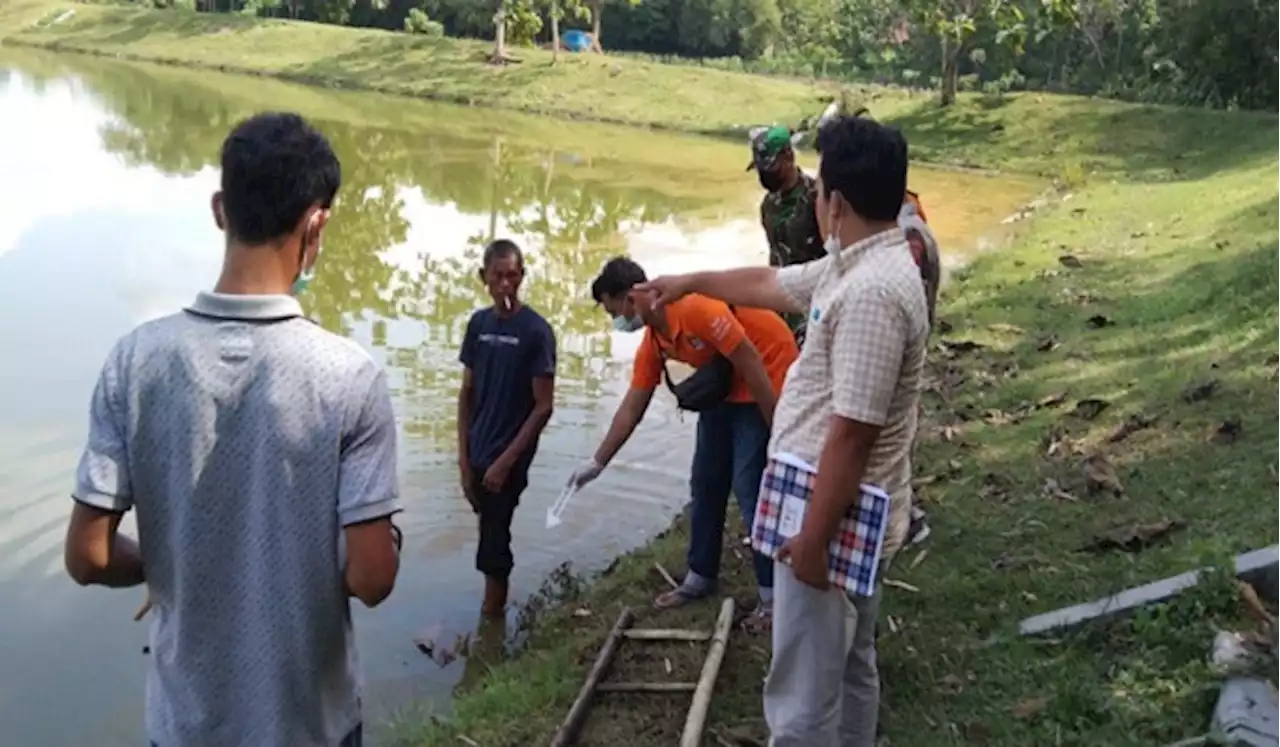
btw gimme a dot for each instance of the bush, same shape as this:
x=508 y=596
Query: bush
x=417 y=22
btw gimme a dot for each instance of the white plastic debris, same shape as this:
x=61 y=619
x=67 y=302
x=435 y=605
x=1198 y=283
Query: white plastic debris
x=1229 y=651
x=1246 y=713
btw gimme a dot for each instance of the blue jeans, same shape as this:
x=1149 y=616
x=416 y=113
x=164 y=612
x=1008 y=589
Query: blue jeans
x=729 y=458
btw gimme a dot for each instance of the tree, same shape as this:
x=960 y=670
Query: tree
x=500 y=34
x=954 y=22
x=597 y=12
x=558 y=10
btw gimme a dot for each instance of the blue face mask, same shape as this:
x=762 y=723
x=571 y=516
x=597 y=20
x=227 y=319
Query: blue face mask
x=306 y=275
x=628 y=324
x=302 y=281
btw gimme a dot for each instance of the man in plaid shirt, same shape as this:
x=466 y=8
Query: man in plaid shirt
x=849 y=406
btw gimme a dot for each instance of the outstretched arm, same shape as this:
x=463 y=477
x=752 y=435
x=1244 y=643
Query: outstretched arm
x=786 y=289
x=630 y=413
x=756 y=287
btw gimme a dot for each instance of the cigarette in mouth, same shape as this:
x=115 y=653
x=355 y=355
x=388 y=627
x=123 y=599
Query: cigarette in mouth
x=506 y=303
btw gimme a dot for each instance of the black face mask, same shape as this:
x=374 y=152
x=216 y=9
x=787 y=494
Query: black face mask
x=770 y=180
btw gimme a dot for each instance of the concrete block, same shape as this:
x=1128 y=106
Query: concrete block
x=1246 y=714
x=1258 y=567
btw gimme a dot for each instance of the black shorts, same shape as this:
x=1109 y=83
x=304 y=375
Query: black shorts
x=493 y=553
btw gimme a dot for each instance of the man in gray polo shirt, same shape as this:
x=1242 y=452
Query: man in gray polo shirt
x=259 y=452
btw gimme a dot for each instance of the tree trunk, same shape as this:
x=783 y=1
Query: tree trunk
x=597 y=10
x=555 y=31
x=500 y=34
x=950 y=71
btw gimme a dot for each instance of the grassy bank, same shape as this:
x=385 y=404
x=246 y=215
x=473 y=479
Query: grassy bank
x=454 y=70
x=1065 y=137
x=1173 y=255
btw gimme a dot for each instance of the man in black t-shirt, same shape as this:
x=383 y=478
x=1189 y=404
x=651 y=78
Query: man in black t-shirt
x=509 y=355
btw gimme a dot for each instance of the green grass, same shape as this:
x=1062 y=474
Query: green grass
x=1173 y=218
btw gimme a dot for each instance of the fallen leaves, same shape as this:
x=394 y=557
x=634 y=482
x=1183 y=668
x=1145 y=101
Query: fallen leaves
x=1010 y=417
x=1090 y=408
x=1031 y=706
x=952 y=684
x=901 y=585
x=1253 y=603
x=1008 y=329
x=1047 y=343
x=959 y=347
x=1058 y=443
x=1133 y=537
x=1200 y=391
x=1100 y=476
x=1227 y=431
x=1053 y=489
x=1130 y=426
x=1070 y=260
x=994 y=487
x=1052 y=400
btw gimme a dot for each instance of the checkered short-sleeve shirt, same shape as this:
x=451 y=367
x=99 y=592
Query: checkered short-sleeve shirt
x=863 y=357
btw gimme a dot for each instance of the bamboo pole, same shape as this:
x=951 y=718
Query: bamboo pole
x=646 y=687
x=653 y=634
x=568 y=731
x=697 y=720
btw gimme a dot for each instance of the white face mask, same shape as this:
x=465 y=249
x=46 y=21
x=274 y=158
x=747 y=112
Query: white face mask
x=831 y=245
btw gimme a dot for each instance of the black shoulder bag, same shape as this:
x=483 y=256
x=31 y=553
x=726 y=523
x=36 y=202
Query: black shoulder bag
x=707 y=387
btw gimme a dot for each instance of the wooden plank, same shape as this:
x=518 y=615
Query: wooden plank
x=697 y=720
x=646 y=687
x=655 y=634
x=568 y=731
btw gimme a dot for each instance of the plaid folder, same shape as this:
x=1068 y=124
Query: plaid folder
x=785 y=491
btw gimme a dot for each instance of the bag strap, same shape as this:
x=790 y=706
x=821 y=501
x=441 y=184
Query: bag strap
x=662 y=357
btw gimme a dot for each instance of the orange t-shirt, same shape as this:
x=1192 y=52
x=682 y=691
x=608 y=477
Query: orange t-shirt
x=699 y=327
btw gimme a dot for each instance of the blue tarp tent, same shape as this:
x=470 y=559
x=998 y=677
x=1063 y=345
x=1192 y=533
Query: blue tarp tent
x=575 y=40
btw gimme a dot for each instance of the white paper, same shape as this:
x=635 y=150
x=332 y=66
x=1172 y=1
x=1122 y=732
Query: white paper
x=792 y=517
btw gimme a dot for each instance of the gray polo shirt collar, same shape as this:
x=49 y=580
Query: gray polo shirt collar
x=246 y=308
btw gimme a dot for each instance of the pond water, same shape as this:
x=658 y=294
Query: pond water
x=105 y=174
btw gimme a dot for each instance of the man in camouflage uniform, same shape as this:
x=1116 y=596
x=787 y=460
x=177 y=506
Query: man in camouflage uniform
x=786 y=212
x=791 y=227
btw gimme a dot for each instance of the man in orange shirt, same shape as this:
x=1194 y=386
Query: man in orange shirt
x=733 y=427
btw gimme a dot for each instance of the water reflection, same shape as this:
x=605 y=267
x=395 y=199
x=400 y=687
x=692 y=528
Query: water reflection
x=107 y=170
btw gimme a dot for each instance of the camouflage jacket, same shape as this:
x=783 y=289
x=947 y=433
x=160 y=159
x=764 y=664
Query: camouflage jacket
x=791 y=227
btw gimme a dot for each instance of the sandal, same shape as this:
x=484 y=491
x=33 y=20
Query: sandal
x=759 y=621
x=680 y=596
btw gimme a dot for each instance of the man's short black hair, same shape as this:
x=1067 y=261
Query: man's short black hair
x=867 y=163
x=499 y=248
x=618 y=277
x=275 y=166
